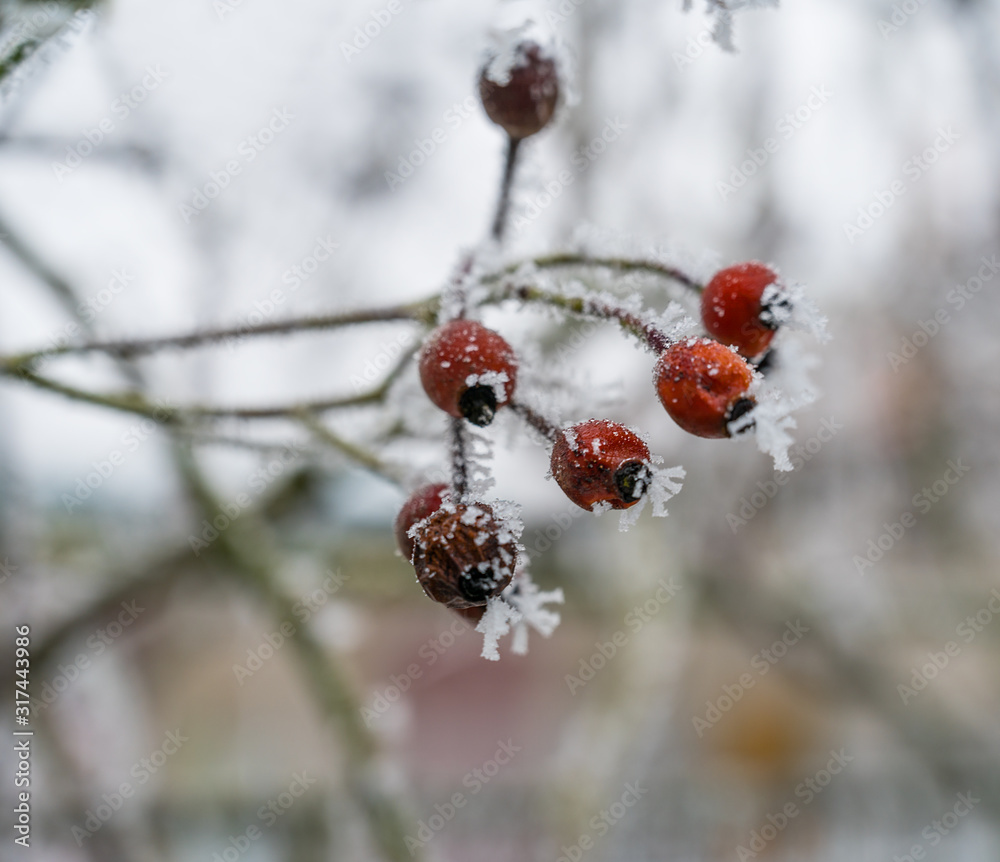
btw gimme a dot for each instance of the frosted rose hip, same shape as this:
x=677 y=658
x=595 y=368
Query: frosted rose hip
x=601 y=462
x=459 y=557
x=737 y=309
x=468 y=370
x=524 y=104
x=704 y=386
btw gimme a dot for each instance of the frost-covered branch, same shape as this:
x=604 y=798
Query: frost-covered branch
x=420 y=312
x=623 y=265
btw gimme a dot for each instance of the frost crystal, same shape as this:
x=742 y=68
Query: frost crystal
x=496 y=380
x=530 y=601
x=494 y=624
x=772 y=420
x=800 y=313
x=521 y=606
x=664 y=483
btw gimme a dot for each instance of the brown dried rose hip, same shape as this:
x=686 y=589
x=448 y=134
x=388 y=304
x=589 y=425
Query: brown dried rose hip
x=525 y=104
x=459 y=557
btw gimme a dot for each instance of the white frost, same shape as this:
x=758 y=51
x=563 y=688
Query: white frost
x=494 y=624
x=664 y=484
x=723 y=11
x=516 y=24
x=521 y=606
x=496 y=380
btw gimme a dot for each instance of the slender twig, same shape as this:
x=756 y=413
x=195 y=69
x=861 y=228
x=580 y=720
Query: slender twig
x=284 y=411
x=127 y=348
x=136 y=403
x=33 y=262
x=506 y=183
x=266 y=447
x=454 y=304
x=422 y=312
x=548 y=430
x=126 y=402
x=590 y=306
x=356 y=453
x=287 y=411
x=246 y=548
x=620 y=264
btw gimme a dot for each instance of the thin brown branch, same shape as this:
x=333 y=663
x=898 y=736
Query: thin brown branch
x=548 y=430
x=590 y=306
x=619 y=264
x=171 y=414
x=421 y=312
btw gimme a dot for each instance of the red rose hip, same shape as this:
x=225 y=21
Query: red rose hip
x=738 y=310
x=704 y=386
x=524 y=104
x=601 y=462
x=463 y=556
x=468 y=370
x=421 y=504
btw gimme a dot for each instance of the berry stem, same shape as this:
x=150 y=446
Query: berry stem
x=592 y=306
x=454 y=303
x=459 y=463
x=503 y=204
x=549 y=430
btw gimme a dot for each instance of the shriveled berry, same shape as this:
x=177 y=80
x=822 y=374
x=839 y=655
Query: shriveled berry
x=704 y=386
x=524 y=104
x=468 y=370
x=422 y=503
x=738 y=310
x=601 y=462
x=463 y=555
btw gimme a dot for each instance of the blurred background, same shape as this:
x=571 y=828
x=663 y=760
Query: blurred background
x=773 y=672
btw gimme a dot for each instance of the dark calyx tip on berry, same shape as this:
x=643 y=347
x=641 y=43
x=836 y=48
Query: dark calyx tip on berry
x=741 y=406
x=773 y=312
x=479 y=405
x=475 y=591
x=632 y=479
